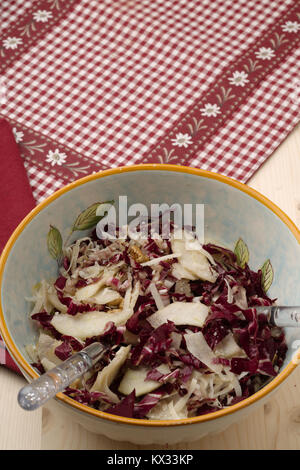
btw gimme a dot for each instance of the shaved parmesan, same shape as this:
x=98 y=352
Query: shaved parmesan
x=136 y=379
x=180 y=313
x=198 y=347
x=107 y=375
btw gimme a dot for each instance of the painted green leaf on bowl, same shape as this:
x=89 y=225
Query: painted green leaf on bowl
x=241 y=252
x=54 y=243
x=88 y=218
x=267 y=275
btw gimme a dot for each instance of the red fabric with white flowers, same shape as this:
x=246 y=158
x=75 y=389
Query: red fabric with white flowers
x=110 y=79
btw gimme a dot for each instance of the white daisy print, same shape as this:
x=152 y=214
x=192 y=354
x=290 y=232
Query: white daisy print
x=210 y=110
x=239 y=79
x=182 y=140
x=56 y=157
x=12 y=42
x=18 y=135
x=291 y=27
x=265 y=53
x=42 y=16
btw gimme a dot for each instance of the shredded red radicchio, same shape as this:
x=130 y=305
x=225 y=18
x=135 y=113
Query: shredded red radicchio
x=232 y=300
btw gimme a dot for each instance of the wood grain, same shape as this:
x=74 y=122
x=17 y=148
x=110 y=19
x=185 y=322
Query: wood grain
x=19 y=430
x=276 y=425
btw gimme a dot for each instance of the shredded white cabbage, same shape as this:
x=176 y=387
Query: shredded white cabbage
x=156 y=296
x=155 y=261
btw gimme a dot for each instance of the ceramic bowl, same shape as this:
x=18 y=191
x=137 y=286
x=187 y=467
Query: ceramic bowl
x=231 y=210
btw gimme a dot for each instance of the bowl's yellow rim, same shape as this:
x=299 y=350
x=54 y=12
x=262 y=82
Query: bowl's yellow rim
x=31 y=373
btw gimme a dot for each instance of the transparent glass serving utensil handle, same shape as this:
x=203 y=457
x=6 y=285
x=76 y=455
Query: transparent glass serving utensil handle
x=38 y=392
x=282 y=316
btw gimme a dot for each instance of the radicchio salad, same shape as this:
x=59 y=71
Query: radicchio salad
x=178 y=318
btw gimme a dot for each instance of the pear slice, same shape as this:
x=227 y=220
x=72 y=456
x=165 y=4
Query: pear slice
x=86 y=292
x=107 y=296
x=86 y=325
x=107 y=375
x=135 y=379
x=180 y=313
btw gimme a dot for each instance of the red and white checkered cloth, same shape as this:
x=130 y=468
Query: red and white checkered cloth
x=111 y=78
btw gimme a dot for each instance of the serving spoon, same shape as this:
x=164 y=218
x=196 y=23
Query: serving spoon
x=281 y=316
x=45 y=387
x=56 y=380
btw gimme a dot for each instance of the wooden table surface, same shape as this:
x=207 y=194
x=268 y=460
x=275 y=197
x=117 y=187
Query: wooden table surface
x=276 y=425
